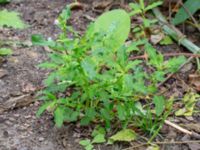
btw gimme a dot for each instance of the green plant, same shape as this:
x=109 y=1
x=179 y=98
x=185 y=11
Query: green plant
x=11 y=19
x=4 y=1
x=189 y=8
x=93 y=80
x=141 y=9
x=5 y=51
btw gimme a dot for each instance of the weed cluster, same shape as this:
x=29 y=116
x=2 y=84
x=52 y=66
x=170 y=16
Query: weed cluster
x=92 y=79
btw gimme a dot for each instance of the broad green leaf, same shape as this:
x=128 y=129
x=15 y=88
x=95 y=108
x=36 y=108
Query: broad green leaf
x=85 y=121
x=159 y=102
x=70 y=115
x=59 y=116
x=11 y=19
x=38 y=39
x=5 y=51
x=190 y=5
x=88 y=66
x=100 y=138
x=98 y=130
x=85 y=142
x=134 y=46
x=115 y=22
x=123 y=135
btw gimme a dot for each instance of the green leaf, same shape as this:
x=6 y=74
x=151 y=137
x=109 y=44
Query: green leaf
x=43 y=108
x=142 y=4
x=89 y=67
x=121 y=112
x=85 y=121
x=166 y=41
x=59 y=116
x=98 y=130
x=11 y=19
x=136 y=9
x=4 y=1
x=189 y=101
x=38 y=39
x=89 y=147
x=159 y=102
x=174 y=63
x=117 y=20
x=5 y=51
x=85 y=142
x=190 y=5
x=126 y=135
x=66 y=13
x=153 y=5
x=100 y=138
x=133 y=64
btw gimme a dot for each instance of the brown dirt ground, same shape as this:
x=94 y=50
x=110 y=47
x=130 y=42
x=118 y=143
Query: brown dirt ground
x=19 y=76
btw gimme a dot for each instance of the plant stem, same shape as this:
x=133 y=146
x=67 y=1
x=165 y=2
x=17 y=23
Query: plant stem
x=175 y=33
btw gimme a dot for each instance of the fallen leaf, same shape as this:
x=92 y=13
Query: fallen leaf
x=155 y=39
x=195 y=80
x=123 y=135
x=189 y=100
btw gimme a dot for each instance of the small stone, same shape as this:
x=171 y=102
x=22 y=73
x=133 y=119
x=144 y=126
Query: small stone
x=41 y=139
x=186 y=68
x=16 y=93
x=2 y=120
x=36 y=103
x=190 y=118
x=3 y=73
x=8 y=123
x=12 y=119
x=27 y=117
x=16 y=115
x=5 y=134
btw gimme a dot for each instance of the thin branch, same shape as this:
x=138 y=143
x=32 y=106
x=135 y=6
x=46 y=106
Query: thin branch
x=178 y=127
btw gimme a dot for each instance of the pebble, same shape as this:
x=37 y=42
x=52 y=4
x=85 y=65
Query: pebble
x=41 y=139
x=3 y=73
x=8 y=123
x=12 y=119
x=16 y=115
x=5 y=134
x=27 y=117
x=36 y=103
